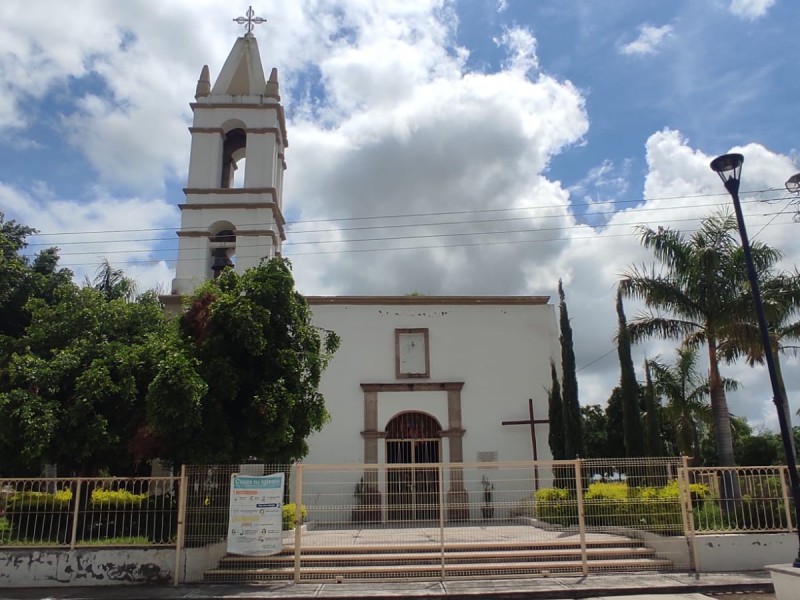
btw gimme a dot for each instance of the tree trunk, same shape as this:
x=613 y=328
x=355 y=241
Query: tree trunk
x=730 y=491
x=721 y=421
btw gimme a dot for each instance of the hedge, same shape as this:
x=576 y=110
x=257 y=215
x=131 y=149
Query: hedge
x=618 y=505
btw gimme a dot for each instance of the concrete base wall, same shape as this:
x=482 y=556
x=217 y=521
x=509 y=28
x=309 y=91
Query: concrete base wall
x=744 y=552
x=196 y=561
x=42 y=568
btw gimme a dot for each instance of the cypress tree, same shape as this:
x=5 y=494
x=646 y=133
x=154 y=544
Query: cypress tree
x=573 y=424
x=556 y=415
x=615 y=444
x=653 y=442
x=629 y=387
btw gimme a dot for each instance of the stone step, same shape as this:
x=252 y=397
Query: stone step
x=464 y=546
x=405 y=572
x=432 y=557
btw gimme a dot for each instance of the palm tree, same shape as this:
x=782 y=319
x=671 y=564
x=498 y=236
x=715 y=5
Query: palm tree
x=113 y=283
x=780 y=296
x=695 y=297
x=686 y=393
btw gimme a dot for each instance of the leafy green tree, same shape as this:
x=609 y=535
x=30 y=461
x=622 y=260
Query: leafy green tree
x=22 y=279
x=595 y=431
x=240 y=378
x=629 y=388
x=75 y=382
x=693 y=298
x=760 y=449
x=573 y=434
x=555 y=405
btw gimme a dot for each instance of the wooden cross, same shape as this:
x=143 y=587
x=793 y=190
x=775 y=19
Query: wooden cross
x=250 y=20
x=533 y=422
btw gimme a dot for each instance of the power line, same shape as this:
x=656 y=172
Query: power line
x=358 y=250
x=383 y=238
x=415 y=215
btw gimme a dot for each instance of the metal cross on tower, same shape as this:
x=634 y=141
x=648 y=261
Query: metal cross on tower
x=249 y=20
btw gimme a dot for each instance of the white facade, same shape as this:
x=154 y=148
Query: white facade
x=487 y=356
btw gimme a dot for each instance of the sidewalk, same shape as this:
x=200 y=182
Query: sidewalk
x=655 y=586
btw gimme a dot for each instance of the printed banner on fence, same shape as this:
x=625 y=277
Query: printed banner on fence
x=255 y=524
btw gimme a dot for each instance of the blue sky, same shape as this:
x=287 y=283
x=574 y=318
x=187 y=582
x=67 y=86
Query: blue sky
x=547 y=128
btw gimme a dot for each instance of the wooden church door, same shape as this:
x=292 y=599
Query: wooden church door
x=413 y=439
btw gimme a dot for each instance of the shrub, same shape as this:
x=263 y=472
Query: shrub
x=40 y=516
x=35 y=501
x=288 y=511
x=556 y=506
x=607 y=504
x=617 y=504
x=708 y=517
x=110 y=515
x=116 y=499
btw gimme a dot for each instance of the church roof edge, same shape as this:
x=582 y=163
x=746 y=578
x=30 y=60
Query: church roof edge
x=429 y=300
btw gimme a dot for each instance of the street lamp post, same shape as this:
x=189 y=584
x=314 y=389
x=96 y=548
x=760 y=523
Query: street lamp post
x=729 y=169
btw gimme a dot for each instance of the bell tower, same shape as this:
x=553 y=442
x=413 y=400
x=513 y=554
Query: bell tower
x=232 y=218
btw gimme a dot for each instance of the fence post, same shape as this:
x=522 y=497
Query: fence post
x=75 y=513
x=581 y=515
x=298 y=518
x=687 y=513
x=441 y=517
x=180 y=533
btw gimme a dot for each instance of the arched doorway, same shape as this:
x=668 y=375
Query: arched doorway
x=413 y=439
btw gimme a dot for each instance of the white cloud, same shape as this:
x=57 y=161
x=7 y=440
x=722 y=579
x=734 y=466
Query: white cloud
x=129 y=231
x=522 y=49
x=602 y=187
x=750 y=9
x=649 y=40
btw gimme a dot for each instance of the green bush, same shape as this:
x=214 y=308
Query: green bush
x=761 y=506
x=615 y=504
x=47 y=518
x=116 y=499
x=556 y=506
x=40 y=516
x=39 y=501
x=287 y=512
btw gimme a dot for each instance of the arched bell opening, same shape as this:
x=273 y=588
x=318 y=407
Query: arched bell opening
x=413 y=439
x=222 y=244
x=234 y=149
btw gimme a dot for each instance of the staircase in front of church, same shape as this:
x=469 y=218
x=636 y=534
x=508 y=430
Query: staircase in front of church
x=403 y=562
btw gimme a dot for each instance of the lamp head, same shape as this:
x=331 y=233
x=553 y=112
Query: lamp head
x=729 y=169
x=793 y=184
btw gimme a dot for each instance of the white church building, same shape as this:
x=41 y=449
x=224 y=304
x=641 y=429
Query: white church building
x=417 y=379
